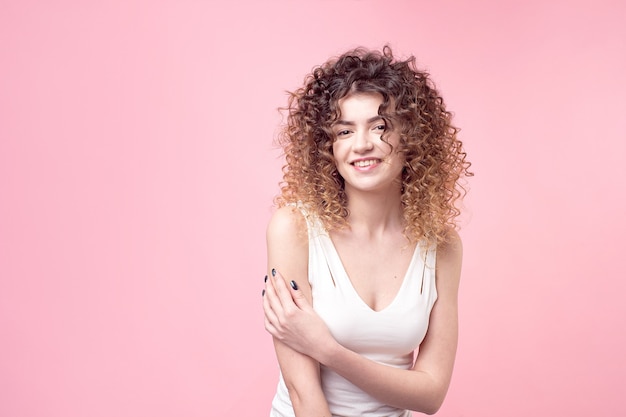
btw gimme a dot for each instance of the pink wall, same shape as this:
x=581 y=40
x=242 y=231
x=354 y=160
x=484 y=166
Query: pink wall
x=137 y=172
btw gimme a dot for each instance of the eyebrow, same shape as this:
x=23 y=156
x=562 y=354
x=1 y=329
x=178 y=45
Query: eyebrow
x=348 y=123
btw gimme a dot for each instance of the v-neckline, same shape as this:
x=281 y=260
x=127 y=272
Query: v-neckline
x=356 y=293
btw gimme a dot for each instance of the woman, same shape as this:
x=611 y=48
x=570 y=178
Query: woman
x=364 y=259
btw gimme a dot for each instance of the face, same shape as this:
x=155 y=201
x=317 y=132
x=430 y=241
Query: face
x=364 y=160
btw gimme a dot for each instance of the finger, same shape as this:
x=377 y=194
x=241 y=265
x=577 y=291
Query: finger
x=271 y=301
x=270 y=283
x=298 y=296
x=269 y=313
x=282 y=291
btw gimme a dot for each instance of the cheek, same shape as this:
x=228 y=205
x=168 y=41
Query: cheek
x=394 y=140
x=336 y=153
x=398 y=161
x=338 y=150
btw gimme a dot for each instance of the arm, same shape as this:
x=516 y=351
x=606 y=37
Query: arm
x=287 y=248
x=422 y=388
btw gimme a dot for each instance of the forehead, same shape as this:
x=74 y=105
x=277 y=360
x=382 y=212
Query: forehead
x=357 y=105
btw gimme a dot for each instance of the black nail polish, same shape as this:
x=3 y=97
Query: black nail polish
x=263 y=293
x=273 y=272
x=265 y=280
x=294 y=285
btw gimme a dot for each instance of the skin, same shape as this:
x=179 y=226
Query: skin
x=374 y=253
x=363 y=159
x=287 y=247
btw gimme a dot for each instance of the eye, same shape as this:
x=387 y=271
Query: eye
x=381 y=127
x=342 y=133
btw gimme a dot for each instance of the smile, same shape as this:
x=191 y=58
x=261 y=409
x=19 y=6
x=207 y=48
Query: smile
x=365 y=163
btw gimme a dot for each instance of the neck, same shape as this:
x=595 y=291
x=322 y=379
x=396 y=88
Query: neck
x=375 y=213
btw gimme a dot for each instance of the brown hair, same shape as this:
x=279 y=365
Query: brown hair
x=435 y=160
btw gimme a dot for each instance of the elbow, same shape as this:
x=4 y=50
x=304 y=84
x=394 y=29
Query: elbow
x=434 y=402
x=428 y=405
x=431 y=407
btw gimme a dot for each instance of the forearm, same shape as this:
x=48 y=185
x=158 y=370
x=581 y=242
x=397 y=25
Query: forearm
x=307 y=400
x=302 y=379
x=407 y=389
x=310 y=405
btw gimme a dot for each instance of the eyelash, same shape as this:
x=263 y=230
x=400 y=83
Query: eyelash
x=347 y=132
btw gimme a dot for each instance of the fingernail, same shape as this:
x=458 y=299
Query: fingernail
x=273 y=272
x=294 y=285
x=262 y=293
x=265 y=280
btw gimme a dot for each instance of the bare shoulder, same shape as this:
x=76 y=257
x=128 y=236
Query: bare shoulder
x=287 y=224
x=449 y=260
x=452 y=248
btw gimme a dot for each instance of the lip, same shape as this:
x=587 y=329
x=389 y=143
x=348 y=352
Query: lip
x=365 y=164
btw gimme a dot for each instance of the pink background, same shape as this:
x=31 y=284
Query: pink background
x=137 y=171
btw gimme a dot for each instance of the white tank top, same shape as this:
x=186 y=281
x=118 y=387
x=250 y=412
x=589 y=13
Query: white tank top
x=389 y=336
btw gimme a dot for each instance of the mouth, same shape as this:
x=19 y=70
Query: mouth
x=364 y=163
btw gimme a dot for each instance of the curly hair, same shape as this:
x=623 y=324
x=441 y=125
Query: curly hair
x=434 y=158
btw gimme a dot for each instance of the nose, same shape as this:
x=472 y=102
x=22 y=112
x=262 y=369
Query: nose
x=363 y=142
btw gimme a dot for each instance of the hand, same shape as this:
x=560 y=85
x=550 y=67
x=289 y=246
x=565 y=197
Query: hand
x=290 y=318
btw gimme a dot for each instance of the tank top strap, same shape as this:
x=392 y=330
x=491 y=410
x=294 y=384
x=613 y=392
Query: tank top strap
x=314 y=224
x=428 y=255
